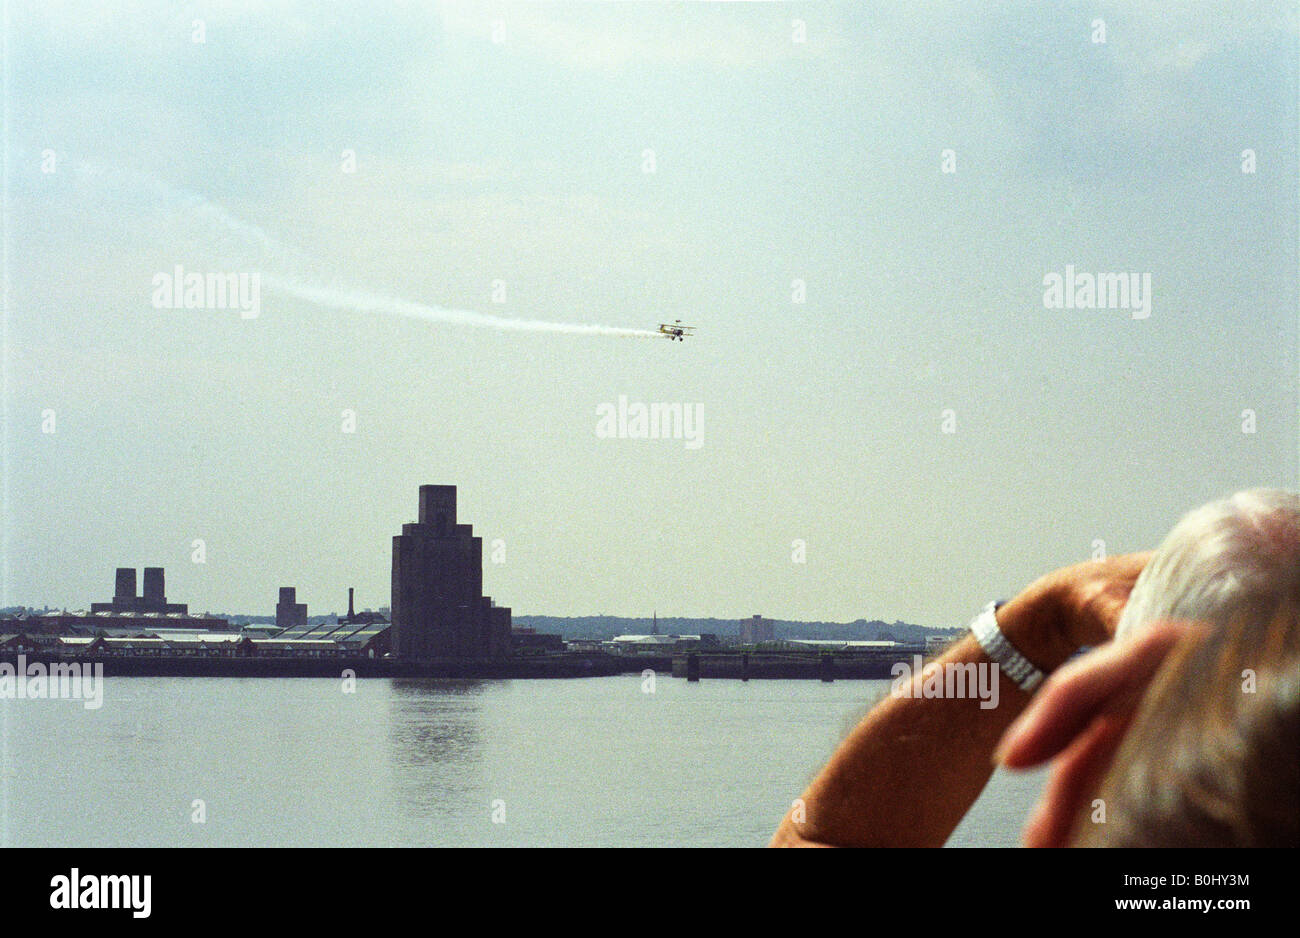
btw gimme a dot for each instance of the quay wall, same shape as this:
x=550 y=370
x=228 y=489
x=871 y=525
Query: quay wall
x=822 y=667
x=558 y=666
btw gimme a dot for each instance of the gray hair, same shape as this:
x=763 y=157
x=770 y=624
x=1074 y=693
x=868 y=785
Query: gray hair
x=1238 y=556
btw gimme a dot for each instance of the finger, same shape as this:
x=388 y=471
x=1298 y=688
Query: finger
x=1077 y=692
x=1110 y=606
x=1113 y=591
x=1064 y=707
x=1074 y=779
x=1074 y=696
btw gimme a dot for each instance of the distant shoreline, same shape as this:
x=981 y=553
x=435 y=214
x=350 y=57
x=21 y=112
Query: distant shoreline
x=824 y=666
x=567 y=666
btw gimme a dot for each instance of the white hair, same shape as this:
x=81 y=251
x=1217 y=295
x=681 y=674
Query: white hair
x=1238 y=556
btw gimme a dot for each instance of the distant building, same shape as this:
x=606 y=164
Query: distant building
x=126 y=601
x=96 y=622
x=367 y=639
x=130 y=611
x=530 y=641
x=757 y=629
x=365 y=634
x=937 y=644
x=439 y=610
x=21 y=643
x=835 y=644
x=660 y=644
x=365 y=617
x=288 y=611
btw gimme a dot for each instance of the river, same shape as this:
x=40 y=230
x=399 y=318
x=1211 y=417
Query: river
x=302 y=762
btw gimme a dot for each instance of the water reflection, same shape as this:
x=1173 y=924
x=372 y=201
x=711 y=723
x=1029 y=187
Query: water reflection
x=436 y=742
x=439 y=687
x=435 y=721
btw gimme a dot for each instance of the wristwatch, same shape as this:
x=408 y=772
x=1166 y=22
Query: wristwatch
x=1022 y=672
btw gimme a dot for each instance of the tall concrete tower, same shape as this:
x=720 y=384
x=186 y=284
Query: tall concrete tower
x=155 y=590
x=439 y=610
x=124 y=593
x=288 y=611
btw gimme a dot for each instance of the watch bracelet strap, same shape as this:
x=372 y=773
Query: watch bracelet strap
x=1021 y=671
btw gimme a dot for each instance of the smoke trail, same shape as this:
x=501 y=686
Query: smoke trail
x=346 y=296
x=365 y=301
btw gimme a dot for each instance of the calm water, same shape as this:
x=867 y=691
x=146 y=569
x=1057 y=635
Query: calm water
x=591 y=762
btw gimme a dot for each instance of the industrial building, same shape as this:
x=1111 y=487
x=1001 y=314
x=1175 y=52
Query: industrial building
x=439 y=610
x=660 y=644
x=213 y=645
x=128 y=611
x=365 y=617
x=288 y=611
x=126 y=601
x=365 y=633
x=109 y=622
x=525 y=641
x=371 y=639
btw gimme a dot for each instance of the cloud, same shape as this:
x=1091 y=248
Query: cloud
x=1167 y=86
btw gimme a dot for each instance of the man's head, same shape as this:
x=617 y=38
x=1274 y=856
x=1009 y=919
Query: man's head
x=1213 y=755
x=1234 y=558
x=1212 y=758
x=1185 y=730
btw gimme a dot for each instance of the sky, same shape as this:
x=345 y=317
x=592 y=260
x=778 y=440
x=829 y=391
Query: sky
x=858 y=206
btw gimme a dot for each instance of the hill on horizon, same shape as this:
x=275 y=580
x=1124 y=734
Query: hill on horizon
x=606 y=627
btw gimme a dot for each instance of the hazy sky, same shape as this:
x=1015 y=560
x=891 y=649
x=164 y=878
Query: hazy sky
x=515 y=143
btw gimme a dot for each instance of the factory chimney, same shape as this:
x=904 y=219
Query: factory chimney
x=124 y=591
x=155 y=590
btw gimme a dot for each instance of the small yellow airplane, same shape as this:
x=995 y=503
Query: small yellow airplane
x=676 y=330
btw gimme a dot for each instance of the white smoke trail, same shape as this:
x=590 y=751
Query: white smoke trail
x=345 y=296
x=364 y=301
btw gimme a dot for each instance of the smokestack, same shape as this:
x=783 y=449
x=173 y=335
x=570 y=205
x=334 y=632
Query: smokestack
x=125 y=584
x=351 y=614
x=288 y=595
x=154 y=589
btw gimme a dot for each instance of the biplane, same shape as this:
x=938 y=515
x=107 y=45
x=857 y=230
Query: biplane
x=676 y=330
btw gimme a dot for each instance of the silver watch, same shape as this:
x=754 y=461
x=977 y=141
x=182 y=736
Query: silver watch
x=1022 y=672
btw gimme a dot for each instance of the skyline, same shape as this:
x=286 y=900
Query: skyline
x=854 y=301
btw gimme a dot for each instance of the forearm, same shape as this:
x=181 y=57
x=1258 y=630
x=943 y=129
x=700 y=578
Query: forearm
x=912 y=768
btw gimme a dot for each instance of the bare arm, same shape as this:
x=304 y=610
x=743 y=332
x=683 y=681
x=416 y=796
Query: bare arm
x=912 y=768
